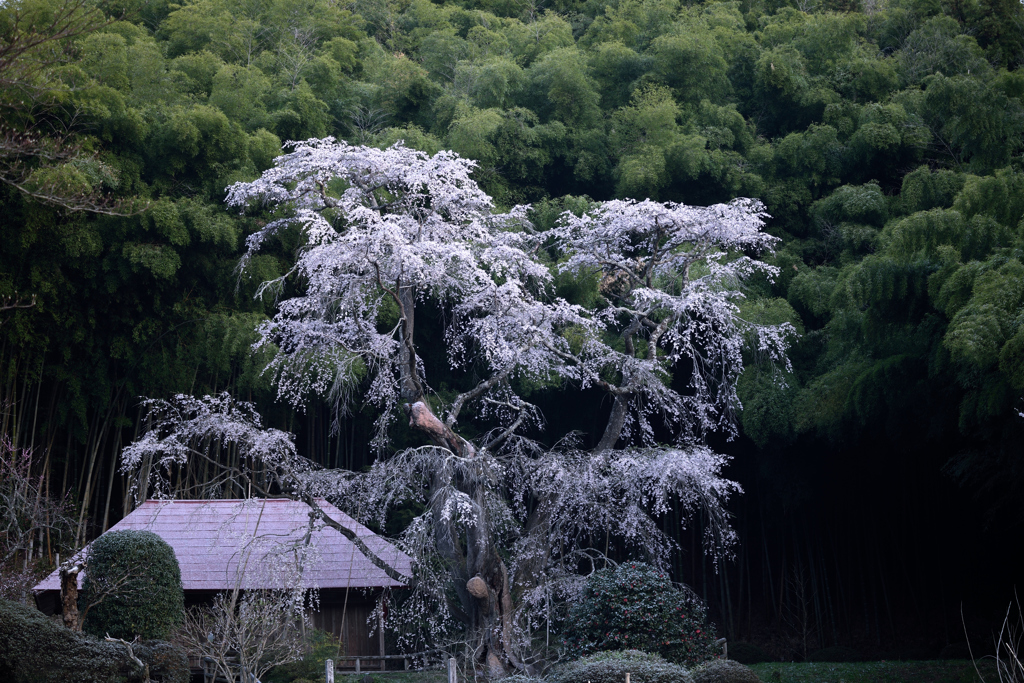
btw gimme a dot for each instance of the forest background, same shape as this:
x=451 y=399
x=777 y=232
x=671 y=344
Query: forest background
x=882 y=483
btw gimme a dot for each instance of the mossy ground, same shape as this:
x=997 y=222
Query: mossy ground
x=394 y=677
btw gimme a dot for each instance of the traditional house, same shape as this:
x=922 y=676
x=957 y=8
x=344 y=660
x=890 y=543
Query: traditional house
x=226 y=544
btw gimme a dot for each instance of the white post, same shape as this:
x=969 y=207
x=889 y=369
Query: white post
x=627 y=677
x=452 y=678
x=329 y=670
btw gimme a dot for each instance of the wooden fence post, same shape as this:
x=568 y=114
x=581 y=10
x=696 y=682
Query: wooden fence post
x=452 y=676
x=329 y=670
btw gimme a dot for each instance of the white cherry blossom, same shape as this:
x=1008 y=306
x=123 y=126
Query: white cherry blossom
x=507 y=522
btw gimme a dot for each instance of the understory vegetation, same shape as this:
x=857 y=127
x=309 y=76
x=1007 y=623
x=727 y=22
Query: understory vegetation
x=35 y=649
x=946 y=671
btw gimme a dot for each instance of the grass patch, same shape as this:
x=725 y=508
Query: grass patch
x=437 y=676
x=944 y=671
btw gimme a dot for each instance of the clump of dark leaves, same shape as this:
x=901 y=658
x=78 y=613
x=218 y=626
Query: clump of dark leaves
x=724 y=671
x=636 y=606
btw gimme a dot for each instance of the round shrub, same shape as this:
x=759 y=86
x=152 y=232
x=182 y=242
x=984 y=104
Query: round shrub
x=636 y=606
x=724 y=671
x=612 y=667
x=135 y=579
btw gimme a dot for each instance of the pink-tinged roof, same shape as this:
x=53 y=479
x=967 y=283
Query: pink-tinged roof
x=218 y=541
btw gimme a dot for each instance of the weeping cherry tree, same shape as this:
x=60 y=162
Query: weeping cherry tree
x=508 y=521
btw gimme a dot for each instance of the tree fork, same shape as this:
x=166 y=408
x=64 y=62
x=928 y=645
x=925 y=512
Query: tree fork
x=421 y=417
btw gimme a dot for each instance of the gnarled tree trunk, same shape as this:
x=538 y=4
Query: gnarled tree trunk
x=69 y=594
x=479 y=573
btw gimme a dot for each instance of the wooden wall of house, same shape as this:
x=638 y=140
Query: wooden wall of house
x=349 y=624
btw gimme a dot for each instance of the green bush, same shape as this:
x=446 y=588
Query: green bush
x=167 y=662
x=132 y=587
x=321 y=646
x=35 y=649
x=724 y=671
x=612 y=667
x=636 y=606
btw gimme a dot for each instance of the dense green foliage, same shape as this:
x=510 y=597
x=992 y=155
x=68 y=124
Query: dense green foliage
x=636 y=607
x=134 y=581
x=724 y=671
x=321 y=647
x=36 y=649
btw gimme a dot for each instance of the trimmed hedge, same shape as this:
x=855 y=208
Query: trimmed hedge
x=724 y=671
x=36 y=649
x=611 y=667
x=522 y=678
x=150 y=603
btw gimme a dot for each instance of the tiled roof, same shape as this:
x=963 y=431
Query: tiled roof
x=218 y=541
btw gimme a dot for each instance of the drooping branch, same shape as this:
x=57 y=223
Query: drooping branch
x=522 y=409
x=33 y=164
x=317 y=512
x=644 y=252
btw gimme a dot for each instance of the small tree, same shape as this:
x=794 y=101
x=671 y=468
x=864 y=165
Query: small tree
x=132 y=587
x=253 y=635
x=636 y=606
x=261 y=622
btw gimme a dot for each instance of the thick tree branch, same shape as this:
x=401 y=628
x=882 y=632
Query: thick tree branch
x=475 y=392
x=317 y=512
x=422 y=418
